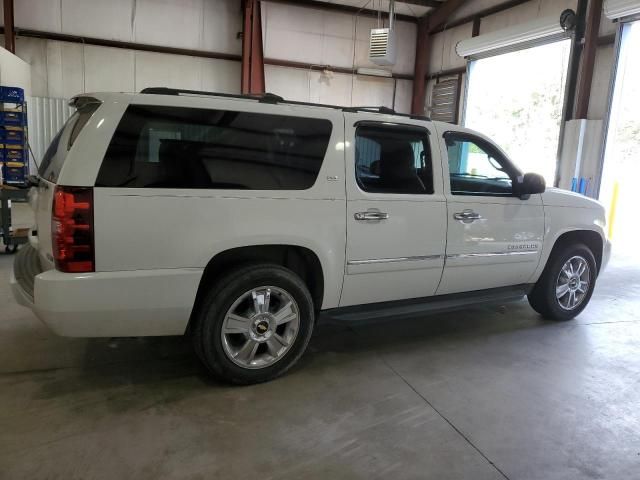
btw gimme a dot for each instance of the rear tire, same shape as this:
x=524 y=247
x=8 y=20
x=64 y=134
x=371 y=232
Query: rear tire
x=566 y=284
x=254 y=324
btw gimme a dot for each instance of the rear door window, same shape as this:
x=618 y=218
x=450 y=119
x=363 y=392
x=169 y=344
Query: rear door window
x=177 y=147
x=393 y=159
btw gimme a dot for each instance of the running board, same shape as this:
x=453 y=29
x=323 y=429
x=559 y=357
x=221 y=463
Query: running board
x=426 y=305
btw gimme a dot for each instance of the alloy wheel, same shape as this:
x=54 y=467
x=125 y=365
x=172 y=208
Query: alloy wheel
x=260 y=327
x=573 y=283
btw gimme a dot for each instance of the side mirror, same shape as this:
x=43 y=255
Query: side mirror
x=530 y=184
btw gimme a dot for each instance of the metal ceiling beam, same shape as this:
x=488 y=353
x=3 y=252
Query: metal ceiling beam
x=252 y=54
x=427 y=24
x=573 y=70
x=438 y=17
x=501 y=7
x=588 y=58
x=101 y=42
x=336 y=7
x=423 y=3
x=9 y=33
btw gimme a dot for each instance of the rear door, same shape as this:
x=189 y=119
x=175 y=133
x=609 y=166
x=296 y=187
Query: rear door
x=396 y=210
x=494 y=239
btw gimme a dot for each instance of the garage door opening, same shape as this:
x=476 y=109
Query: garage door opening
x=621 y=171
x=516 y=98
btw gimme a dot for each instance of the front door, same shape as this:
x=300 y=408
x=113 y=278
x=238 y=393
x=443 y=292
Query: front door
x=494 y=238
x=396 y=210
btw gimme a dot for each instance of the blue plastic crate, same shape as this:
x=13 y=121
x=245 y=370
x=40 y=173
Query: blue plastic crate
x=14 y=155
x=15 y=173
x=12 y=118
x=11 y=137
x=11 y=94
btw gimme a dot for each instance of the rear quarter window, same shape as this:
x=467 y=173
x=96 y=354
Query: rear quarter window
x=176 y=147
x=56 y=153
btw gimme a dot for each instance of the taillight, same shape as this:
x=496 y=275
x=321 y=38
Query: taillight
x=72 y=229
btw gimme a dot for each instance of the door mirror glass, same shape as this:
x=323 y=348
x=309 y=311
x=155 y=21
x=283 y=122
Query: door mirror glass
x=531 y=184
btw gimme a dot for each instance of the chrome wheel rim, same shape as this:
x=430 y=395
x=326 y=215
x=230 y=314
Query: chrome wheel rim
x=260 y=327
x=573 y=283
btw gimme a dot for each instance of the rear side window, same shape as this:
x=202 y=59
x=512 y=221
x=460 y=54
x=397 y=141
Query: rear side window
x=176 y=147
x=55 y=155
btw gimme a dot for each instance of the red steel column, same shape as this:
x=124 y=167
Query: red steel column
x=252 y=54
x=421 y=68
x=9 y=33
x=588 y=59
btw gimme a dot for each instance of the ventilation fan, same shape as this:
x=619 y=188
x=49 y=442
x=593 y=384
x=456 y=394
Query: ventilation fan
x=382 y=42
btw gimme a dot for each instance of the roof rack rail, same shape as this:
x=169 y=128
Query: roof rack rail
x=264 y=98
x=380 y=109
x=386 y=111
x=276 y=99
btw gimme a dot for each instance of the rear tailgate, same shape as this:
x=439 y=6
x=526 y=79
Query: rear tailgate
x=49 y=172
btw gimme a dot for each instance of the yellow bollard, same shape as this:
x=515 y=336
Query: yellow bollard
x=612 y=208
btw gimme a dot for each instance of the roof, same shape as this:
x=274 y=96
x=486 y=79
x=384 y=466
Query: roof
x=266 y=98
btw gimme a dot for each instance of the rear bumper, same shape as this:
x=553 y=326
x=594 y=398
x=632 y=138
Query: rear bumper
x=110 y=304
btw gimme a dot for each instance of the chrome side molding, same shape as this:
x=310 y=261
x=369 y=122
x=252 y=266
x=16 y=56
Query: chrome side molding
x=394 y=260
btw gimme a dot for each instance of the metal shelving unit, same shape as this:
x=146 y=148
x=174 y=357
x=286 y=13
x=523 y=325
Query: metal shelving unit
x=14 y=162
x=14 y=151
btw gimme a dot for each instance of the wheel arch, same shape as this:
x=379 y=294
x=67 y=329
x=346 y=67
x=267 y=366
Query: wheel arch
x=301 y=260
x=591 y=238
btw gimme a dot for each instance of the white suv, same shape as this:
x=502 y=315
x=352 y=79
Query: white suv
x=239 y=219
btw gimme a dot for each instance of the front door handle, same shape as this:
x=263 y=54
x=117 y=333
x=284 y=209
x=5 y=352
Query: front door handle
x=370 y=216
x=467 y=216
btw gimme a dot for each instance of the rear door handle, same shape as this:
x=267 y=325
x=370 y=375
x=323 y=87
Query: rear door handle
x=369 y=216
x=467 y=216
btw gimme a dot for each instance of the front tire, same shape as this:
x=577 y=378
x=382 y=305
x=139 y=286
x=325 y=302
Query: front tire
x=254 y=324
x=566 y=284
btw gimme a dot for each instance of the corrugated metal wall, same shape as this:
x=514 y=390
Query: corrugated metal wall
x=46 y=116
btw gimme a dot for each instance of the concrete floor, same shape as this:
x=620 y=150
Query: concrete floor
x=487 y=393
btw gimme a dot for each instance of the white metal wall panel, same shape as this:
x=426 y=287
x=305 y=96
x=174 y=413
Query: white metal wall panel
x=46 y=116
x=404 y=92
x=621 y=8
x=336 y=88
x=443 y=53
x=372 y=91
x=161 y=70
x=33 y=51
x=220 y=75
x=62 y=69
x=221 y=23
x=605 y=58
x=524 y=13
x=196 y=24
x=43 y=15
x=108 y=69
x=110 y=19
x=327 y=38
x=178 y=24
